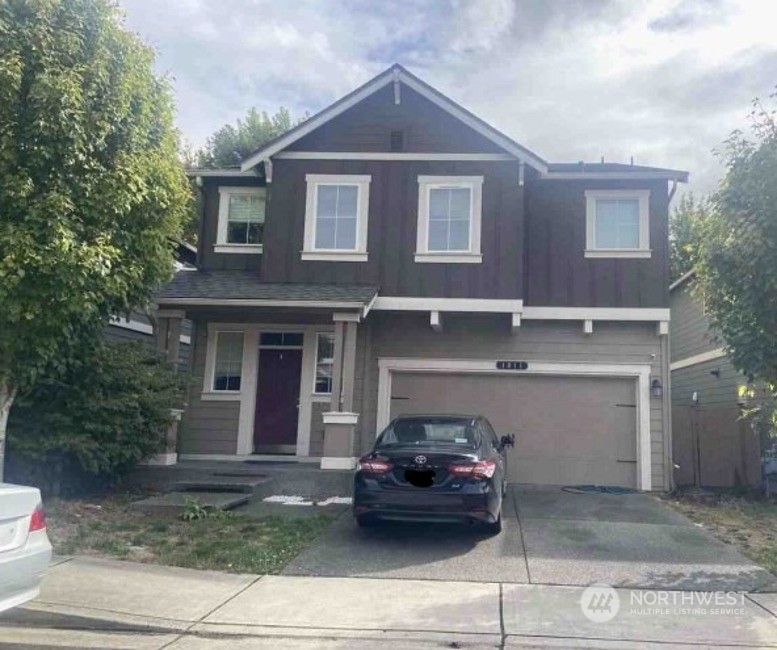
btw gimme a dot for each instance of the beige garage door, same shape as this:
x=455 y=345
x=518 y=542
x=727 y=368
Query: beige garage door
x=568 y=430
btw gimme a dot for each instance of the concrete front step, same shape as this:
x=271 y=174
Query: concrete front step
x=215 y=483
x=176 y=502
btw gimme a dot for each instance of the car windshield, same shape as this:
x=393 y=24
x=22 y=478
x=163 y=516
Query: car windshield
x=430 y=431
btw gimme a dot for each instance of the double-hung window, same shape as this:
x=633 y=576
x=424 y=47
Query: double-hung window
x=449 y=216
x=227 y=361
x=325 y=353
x=241 y=220
x=617 y=223
x=336 y=217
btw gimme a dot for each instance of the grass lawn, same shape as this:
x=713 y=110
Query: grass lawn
x=222 y=541
x=748 y=523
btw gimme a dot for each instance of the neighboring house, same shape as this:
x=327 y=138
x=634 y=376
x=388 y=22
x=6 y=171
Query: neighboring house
x=139 y=326
x=713 y=447
x=396 y=254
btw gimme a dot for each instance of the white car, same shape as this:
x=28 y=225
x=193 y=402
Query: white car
x=25 y=550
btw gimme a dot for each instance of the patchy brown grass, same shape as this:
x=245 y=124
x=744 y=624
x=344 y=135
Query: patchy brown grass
x=748 y=523
x=219 y=541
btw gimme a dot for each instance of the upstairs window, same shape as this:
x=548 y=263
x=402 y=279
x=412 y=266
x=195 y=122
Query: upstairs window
x=449 y=215
x=336 y=218
x=241 y=220
x=617 y=223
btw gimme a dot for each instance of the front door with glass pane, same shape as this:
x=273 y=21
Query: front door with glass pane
x=278 y=390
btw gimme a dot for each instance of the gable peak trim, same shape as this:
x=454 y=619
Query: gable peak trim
x=396 y=73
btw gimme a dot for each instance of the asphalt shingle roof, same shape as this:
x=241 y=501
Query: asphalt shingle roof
x=246 y=285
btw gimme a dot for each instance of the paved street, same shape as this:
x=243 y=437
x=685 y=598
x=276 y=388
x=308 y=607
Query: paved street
x=88 y=603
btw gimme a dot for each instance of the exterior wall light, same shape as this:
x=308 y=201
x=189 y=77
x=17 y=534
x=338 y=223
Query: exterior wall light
x=656 y=389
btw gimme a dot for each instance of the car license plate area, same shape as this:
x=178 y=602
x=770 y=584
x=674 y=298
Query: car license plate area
x=422 y=478
x=9 y=534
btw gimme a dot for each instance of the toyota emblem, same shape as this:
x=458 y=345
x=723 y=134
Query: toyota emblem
x=420 y=460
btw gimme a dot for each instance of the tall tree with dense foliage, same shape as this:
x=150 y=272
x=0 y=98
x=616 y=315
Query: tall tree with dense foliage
x=232 y=143
x=682 y=234
x=91 y=188
x=736 y=258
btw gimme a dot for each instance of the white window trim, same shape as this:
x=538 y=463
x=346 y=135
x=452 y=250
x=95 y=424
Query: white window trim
x=221 y=245
x=313 y=391
x=422 y=252
x=643 y=250
x=208 y=392
x=358 y=254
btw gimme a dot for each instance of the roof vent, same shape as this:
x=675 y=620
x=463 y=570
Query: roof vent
x=397 y=141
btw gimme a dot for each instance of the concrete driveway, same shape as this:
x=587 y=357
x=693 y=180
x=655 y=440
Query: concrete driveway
x=550 y=537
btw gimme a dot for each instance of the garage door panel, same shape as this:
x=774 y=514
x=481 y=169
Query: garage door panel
x=568 y=429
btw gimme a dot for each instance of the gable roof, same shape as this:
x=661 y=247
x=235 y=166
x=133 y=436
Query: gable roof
x=395 y=73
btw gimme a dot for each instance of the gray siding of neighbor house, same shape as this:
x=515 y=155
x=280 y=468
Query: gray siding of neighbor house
x=556 y=269
x=489 y=337
x=709 y=435
x=689 y=327
x=206 y=427
x=116 y=334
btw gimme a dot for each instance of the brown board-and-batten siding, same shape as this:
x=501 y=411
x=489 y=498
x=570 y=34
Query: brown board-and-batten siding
x=392 y=228
x=556 y=269
x=489 y=337
x=207 y=258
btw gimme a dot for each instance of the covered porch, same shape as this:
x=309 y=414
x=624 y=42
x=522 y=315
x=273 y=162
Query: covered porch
x=275 y=372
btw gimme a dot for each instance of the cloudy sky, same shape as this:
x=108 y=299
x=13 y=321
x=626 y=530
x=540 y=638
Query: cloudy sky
x=664 y=81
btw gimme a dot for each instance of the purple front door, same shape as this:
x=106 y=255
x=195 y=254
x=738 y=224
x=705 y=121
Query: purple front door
x=277 y=401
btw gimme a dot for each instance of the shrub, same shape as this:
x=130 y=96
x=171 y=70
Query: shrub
x=97 y=422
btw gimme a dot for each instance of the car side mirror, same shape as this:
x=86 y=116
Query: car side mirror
x=507 y=441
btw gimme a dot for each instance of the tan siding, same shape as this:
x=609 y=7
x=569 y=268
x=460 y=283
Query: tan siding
x=317 y=428
x=489 y=337
x=207 y=427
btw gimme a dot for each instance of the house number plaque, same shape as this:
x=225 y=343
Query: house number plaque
x=511 y=365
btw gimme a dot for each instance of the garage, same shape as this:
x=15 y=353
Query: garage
x=568 y=430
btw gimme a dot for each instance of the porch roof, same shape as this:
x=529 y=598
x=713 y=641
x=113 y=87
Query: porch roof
x=245 y=288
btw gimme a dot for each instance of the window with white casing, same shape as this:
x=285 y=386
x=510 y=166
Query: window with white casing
x=227 y=362
x=449 y=216
x=336 y=212
x=617 y=223
x=325 y=353
x=241 y=220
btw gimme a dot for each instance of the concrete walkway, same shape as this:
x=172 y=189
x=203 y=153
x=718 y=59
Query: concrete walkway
x=88 y=603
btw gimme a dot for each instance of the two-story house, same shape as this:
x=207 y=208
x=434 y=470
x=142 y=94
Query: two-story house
x=396 y=254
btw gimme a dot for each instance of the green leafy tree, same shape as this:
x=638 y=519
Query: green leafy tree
x=101 y=418
x=232 y=143
x=736 y=261
x=683 y=224
x=92 y=191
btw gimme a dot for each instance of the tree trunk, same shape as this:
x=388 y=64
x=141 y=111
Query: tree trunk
x=7 y=395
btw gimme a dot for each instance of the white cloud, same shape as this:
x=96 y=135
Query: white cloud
x=662 y=80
